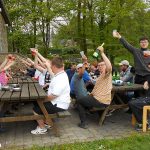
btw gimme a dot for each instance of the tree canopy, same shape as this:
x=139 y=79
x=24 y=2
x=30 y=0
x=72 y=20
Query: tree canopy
x=79 y=24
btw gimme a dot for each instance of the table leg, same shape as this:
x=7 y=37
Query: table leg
x=48 y=119
x=1 y=106
x=119 y=99
x=133 y=121
x=102 y=118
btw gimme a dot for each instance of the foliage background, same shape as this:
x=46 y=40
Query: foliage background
x=66 y=27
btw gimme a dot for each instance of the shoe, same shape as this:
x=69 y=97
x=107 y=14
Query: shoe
x=39 y=130
x=108 y=114
x=47 y=126
x=138 y=127
x=83 y=125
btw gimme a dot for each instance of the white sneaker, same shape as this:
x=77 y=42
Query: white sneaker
x=39 y=130
x=47 y=126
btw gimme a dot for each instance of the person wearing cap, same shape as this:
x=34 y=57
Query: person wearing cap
x=77 y=85
x=101 y=93
x=86 y=76
x=125 y=74
x=141 y=58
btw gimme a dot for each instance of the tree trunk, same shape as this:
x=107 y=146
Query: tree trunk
x=90 y=7
x=84 y=44
x=34 y=22
x=79 y=24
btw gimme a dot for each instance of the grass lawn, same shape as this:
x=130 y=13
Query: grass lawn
x=134 y=142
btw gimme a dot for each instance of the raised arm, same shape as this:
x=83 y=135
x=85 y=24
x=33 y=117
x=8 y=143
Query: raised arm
x=106 y=60
x=9 y=64
x=36 y=65
x=48 y=66
x=127 y=45
x=26 y=63
x=40 y=62
x=3 y=64
x=30 y=61
x=34 y=50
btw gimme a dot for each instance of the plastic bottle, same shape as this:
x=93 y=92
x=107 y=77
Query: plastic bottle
x=114 y=77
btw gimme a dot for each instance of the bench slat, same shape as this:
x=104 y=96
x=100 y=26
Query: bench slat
x=34 y=117
x=63 y=114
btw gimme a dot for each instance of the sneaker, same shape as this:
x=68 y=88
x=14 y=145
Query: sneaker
x=39 y=130
x=47 y=126
x=138 y=127
x=108 y=114
x=83 y=125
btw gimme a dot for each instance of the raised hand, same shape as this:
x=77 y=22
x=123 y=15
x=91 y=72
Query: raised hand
x=101 y=49
x=146 y=86
x=116 y=34
x=34 y=51
x=47 y=64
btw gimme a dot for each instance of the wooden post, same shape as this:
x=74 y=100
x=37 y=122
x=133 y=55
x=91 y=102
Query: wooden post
x=133 y=122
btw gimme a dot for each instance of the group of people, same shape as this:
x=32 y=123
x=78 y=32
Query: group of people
x=90 y=88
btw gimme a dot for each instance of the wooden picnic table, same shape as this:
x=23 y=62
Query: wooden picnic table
x=123 y=89
x=22 y=79
x=30 y=92
x=115 y=92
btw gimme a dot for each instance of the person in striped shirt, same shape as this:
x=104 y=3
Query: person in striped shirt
x=101 y=93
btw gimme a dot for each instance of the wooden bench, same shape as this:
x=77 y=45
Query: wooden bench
x=26 y=117
x=30 y=92
x=106 y=110
x=20 y=117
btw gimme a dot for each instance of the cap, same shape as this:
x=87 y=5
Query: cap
x=124 y=62
x=79 y=66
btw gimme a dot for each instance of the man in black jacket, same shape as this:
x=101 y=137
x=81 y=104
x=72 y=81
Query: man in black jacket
x=141 y=58
x=142 y=74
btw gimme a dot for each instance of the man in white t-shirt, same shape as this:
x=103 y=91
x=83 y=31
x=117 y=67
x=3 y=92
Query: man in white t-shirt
x=58 y=98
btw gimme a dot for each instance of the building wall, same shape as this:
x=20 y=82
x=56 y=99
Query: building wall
x=3 y=36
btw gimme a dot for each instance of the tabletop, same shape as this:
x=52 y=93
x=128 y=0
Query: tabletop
x=132 y=87
x=30 y=91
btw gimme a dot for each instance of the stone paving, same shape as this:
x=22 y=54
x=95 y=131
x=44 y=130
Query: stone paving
x=18 y=134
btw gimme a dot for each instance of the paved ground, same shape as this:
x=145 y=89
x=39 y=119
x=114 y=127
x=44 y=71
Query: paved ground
x=18 y=134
